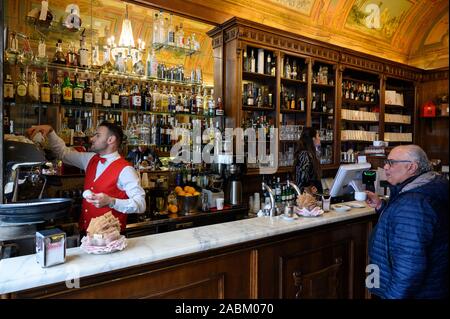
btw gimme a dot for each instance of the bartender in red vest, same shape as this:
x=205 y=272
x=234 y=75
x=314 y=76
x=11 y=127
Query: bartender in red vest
x=113 y=182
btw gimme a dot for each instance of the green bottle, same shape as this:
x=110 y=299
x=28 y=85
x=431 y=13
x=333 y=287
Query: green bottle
x=67 y=91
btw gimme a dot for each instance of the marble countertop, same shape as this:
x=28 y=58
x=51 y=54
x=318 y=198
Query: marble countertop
x=24 y=272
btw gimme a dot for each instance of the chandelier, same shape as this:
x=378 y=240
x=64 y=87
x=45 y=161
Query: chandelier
x=126 y=48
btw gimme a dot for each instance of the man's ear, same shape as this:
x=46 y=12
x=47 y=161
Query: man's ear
x=111 y=139
x=413 y=168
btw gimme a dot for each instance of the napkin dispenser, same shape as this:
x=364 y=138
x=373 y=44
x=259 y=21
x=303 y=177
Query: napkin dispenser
x=212 y=194
x=50 y=247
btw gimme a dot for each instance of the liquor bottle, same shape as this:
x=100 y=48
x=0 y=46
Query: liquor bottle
x=164 y=100
x=136 y=99
x=152 y=64
x=56 y=93
x=193 y=102
x=252 y=63
x=45 y=89
x=172 y=100
x=180 y=37
x=88 y=95
x=67 y=91
x=78 y=91
x=273 y=69
x=246 y=62
x=59 y=55
x=268 y=64
x=106 y=102
x=292 y=101
x=21 y=88
x=98 y=94
x=162 y=28
x=138 y=66
x=124 y=98
x=155 y=37
x=313 y=101
x=83 y=53
x=8 y=89
x=115 y=99
x=250 y=99
x=324 y=103
x=146 y=99
x=287 y=69
x=170 y=32
x=33 y=88
x=156 y=103
x=294 y=70
x=199 y=102
x=186 y=104
x=212 y=110
x=259 y=99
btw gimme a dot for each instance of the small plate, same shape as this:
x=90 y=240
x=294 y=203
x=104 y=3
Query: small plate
x=356 y=205
x=286 y=217
x=341 y=208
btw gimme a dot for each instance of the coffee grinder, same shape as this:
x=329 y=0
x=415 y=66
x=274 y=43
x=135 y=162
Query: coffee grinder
x=233 y=189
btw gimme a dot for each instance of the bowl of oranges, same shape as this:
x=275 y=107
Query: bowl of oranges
x=188 y=200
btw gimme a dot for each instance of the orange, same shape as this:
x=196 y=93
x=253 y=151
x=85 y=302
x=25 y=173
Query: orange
x=178 y=189
x=186 y=189
x=173 y=209
x=196 y=193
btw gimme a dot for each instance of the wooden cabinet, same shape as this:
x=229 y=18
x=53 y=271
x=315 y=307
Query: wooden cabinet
x=323 y=262
x=347 y=123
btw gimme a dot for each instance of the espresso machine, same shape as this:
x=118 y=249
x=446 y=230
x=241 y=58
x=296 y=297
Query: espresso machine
x=25 y=211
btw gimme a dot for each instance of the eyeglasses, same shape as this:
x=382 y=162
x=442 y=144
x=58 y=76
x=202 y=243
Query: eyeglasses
x=391 y=162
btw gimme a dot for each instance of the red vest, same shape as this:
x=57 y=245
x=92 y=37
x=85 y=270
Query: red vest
x=106 y=183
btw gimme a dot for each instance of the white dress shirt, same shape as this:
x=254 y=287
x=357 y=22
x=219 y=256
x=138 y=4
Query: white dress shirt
x=128 y=180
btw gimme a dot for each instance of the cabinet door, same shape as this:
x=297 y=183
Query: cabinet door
x=329 y=263
x=319 y=273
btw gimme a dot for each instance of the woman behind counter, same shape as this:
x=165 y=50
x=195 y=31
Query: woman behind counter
x=307 y=170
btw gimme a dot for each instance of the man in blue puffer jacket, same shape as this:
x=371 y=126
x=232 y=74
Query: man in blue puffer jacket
x=409 y=244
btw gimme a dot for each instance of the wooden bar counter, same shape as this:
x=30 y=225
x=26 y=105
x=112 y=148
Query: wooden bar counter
x=262 y=257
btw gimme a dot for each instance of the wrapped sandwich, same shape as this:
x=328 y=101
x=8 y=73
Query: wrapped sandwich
x=307 y=201
x=103 y=230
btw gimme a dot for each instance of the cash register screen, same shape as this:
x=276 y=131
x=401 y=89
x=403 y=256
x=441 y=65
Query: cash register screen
x=347 y=178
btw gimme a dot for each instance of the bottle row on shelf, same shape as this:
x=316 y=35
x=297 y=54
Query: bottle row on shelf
x=111 y=94
x=358 y=91
x=162 y=131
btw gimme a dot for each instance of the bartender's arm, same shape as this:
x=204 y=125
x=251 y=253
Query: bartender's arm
x=128 y=181
x=57 y=145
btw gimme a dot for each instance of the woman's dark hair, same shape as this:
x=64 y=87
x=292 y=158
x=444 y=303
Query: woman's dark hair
x=115 y=130
x=306 y=143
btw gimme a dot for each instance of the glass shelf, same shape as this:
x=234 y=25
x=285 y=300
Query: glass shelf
x=184 y=51
x=98 y=71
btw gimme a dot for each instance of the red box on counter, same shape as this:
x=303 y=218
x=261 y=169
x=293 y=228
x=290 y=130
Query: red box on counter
x=428 y=110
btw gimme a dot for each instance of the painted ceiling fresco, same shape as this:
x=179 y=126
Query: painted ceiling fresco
x=413 y=32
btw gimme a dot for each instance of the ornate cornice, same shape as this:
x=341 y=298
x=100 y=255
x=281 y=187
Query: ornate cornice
x=356 y=61
x=435 y=75
x=402 y=72
x=217 y=41
x=280 y=42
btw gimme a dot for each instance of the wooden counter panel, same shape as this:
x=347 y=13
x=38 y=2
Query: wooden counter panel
x=219 y=277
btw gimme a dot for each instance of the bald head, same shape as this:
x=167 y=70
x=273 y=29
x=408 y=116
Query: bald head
x=415 y=154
